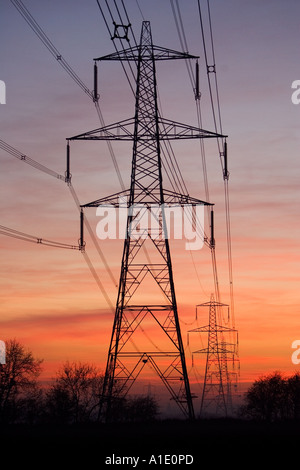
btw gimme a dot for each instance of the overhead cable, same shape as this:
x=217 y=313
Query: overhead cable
x=24 y=158
x=212 y=68
x=60 y=59
x=33 y=239
x=25 y=237
x=92 y=235
x=49 y=45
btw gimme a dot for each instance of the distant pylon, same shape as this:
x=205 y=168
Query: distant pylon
x=217 y=394
x=146 y=252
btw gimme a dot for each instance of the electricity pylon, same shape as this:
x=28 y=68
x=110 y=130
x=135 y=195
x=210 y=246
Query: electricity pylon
x=162 y=349
x=217 y=393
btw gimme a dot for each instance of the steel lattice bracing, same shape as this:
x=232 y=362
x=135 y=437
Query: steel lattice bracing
x=146 y=187
x=216 y=394
x=163 y=351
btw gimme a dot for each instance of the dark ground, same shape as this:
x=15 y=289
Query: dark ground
x=219 y=442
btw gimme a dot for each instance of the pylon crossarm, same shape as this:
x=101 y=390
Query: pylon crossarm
x=168 y=130
x=171 y=197
x=122 y=130
x=217 y=329
x=147 y=52
x=119 y=199
x=176 y=130
x=212 y=303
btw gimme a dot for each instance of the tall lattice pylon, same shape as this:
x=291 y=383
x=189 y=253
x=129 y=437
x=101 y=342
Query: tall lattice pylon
x=220 y=352
x=150 y=308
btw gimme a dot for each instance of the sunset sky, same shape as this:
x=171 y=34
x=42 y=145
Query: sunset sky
x=49 y=299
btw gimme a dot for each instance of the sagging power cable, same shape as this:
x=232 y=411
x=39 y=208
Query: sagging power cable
x=65 y=65
x=33 y=239
x=222 y=146
x=92 y=235
x=211 y=69
x=24 y=158
x=49 y=45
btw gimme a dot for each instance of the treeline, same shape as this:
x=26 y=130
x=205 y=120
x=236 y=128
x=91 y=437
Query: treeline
x=72 y=398
x=273 y=398
x=75 y=393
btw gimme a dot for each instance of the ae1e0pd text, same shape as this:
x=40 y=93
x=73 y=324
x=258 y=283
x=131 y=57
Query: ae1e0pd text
x=171 y=459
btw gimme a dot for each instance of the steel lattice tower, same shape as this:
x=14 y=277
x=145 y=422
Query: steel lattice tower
x=216 y=394
x=146 y=129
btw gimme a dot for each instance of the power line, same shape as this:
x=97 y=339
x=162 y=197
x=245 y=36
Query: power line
x=33 y=239
x=98 y=281
x=182 y=37
x=228 y=227
x=30 y=238
x=91 y=233
x=56 y=54
x=184 y=45
x=223 y=147
x=49 y=45
x=140 y=10
x=64 y=64
x=214 y=64
x=114 y=36
x=24 y=158
x=210 y=69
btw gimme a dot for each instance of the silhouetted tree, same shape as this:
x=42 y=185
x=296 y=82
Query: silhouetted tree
x=31 y=405
x=135 y=409
x=18 y=382
x=141 y=409
x=273 y=397
x=293 y=396
x=75 y=395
